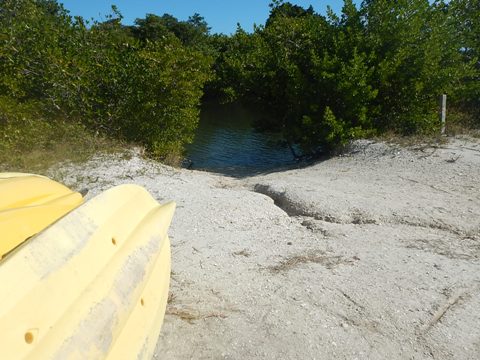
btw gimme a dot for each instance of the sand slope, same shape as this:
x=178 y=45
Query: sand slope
x=371 y=255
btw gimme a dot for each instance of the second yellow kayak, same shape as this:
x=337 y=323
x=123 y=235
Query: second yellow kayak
x=28 y=204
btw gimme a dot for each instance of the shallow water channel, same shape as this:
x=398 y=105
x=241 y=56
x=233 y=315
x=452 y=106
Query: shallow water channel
x=226 y=142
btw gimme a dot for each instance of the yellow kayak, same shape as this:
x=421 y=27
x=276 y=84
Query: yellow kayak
x=94 y=285
x=28 y=204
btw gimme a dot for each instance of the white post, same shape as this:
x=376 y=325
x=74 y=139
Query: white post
x=443 y=112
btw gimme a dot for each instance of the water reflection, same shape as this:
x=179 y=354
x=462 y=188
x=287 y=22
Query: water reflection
x=225 y=142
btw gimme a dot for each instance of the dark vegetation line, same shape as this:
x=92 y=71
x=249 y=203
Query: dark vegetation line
x=323 y=80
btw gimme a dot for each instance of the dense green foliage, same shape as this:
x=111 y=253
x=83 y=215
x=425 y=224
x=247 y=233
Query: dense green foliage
x=466 y=22
x=380 y=67
x=322 y=80
x=107 y=77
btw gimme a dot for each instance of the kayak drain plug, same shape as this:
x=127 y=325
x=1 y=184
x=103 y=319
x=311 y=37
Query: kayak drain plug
x=29 y=337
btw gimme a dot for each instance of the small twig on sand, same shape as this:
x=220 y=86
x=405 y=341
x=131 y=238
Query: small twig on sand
x=215 y=315
x=453 y=159
x=427 y=155
x=196 y=250
x=418 y=182
x=190 y=315
x=451 y=301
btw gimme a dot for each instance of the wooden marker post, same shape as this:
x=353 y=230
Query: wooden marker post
x=443 y=112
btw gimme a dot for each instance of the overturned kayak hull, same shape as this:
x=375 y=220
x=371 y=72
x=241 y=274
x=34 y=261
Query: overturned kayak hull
x=92 y=286
x=28 y=204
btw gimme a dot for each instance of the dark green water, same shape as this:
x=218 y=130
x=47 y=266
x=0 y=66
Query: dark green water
x=225 y=142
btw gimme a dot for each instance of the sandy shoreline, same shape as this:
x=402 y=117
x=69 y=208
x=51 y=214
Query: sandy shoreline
x=372 y=255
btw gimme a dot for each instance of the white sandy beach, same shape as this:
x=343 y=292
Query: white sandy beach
x=371 y=255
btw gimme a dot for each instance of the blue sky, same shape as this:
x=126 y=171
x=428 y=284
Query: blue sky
x=222 y=16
